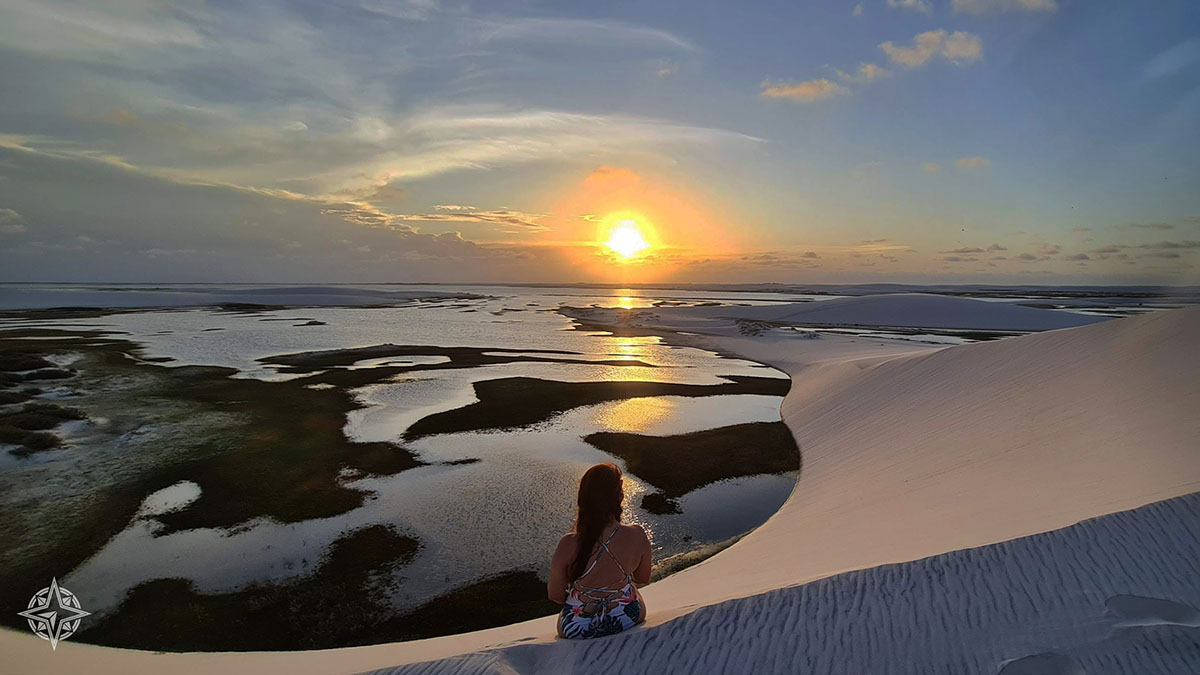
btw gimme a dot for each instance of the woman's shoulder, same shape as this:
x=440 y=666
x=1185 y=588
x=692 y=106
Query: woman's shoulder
x=634 y=530
x=567 y=544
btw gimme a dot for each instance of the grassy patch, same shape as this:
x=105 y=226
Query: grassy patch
x=274 y=449
x=497 y=601
x=678 y=464
x=459 y=357
x=283 y=462
x=28 y=426
x=15 y=361
x=310 y=613
x=659 y=504
x=515 y=402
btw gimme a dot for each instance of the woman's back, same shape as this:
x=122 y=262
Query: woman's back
x=596 y=567
x=627 y=549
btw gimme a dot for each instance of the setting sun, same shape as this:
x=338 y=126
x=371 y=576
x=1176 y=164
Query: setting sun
x=626 y=239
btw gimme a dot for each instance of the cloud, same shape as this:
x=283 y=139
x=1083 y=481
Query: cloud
x=406 y=10
x=931 y=167
x=1144 y=226
x=954 y=258
x=315 y=100
x=122 y=117
x=527 y=222
x=959 y=47
x=810 y=255
x=1027 y=257
x=454 y=138
x=997 y=247
x=665 y=68
x=969 y=163
x=578 y=33
x=385 y=192
x=857 y=11
x=964 y=250
x=84 y=31
x=866 y=73
x=232 y=233
x=1081 y=229
x=998 y=6
x=780 y=259
x=1078 y=256
x=1188 y=244
x=804 y=92
x=1173 y=60
x=923 y=6
x=1164 y=254
x=11 y=222
x=1049 y=249
x=610 y=178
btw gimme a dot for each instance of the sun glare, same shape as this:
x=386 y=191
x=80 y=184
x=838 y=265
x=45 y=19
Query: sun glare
x=626 y=239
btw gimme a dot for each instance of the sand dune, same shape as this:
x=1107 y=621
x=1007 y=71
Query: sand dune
x=911 y=310
x=1020 y=607
x=909 y=452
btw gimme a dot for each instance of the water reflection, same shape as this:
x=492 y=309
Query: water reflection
x=636 y=414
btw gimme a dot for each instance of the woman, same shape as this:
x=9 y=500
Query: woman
x=595 y=568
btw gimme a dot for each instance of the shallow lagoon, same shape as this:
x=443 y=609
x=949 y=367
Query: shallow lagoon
x=486 y=502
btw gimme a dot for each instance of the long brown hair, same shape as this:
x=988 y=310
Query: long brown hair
x=600 y=497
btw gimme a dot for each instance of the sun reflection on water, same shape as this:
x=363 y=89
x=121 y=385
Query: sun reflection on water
x=635 y=414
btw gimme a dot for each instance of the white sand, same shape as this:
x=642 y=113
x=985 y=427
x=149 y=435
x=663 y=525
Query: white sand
x=904 y=310
x=908 y=452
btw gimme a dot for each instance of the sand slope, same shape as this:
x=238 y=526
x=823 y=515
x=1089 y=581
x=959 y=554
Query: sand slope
x=908 y=452
x=1064 y=601
x=928 y=452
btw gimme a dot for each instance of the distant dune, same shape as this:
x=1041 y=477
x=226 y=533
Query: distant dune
x=909 y=451
x=910 y=310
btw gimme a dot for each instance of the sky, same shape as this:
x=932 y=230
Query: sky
x=832 y=141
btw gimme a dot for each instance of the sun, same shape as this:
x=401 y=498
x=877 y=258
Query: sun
x=626 y=239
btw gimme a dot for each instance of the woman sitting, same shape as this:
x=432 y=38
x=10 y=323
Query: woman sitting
x=595 y=568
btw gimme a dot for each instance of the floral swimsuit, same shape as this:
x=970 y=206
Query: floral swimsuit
x=595 y=612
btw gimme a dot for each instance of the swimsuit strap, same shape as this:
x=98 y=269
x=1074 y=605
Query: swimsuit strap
x=601 y=552
x=604 y=546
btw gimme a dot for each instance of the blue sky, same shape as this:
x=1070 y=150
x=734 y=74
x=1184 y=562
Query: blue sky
x=1034 y=141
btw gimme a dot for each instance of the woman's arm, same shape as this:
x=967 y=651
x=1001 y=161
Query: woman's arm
x=556 y=588
x=641 y=575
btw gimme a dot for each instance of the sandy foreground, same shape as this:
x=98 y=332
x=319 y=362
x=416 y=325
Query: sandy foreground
x=936 y=525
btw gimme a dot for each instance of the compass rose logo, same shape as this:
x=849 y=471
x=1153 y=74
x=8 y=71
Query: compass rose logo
x=54 y=613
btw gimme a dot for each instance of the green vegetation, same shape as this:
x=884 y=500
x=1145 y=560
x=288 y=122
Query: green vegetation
x=515 y=402
x=678 y=464
x=309 y=613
